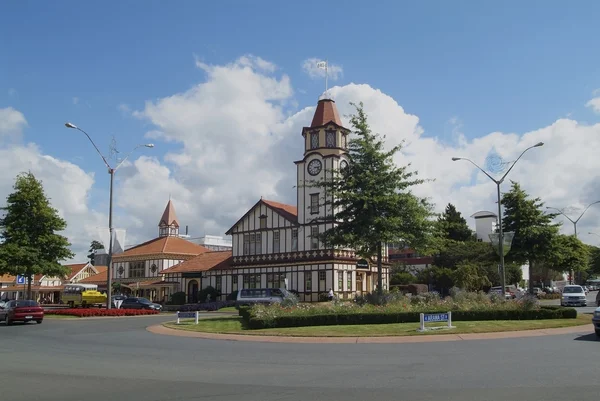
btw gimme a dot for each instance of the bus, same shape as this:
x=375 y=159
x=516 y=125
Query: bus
x=84 y=295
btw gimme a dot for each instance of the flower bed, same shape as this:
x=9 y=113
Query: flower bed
x=100 y=312
x=402 y=309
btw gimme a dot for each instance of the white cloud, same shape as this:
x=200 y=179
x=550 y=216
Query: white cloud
x=334 y=71
x=12 y=123
x=124 y=109
x=234 y=138
x=75 y=100
x=594 y=104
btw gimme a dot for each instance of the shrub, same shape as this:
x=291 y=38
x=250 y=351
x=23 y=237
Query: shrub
x=206 y=306
x=323 y=297
x=550 y=296
x=413 y=289
x=100 y=312
x=177 y=298
x=290 y=301
x=204 y=293
x=232 y=296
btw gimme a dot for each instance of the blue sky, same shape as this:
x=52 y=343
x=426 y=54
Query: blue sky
x=506 y=66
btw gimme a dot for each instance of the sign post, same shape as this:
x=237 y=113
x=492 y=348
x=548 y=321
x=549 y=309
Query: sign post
x=434 y=318
x=187 y=315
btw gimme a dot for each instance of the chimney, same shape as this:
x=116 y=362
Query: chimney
x=186 y=230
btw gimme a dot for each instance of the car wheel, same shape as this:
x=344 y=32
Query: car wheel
x=38 y=321
x=9 y=322
x=598 y=333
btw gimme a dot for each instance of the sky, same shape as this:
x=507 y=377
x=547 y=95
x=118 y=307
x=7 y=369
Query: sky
x=223 y=89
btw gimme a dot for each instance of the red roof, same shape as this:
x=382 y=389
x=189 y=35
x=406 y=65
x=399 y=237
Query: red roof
x=169 y=217
x=288 y=211
x=325 y=113
x=164 y=245
x=218 y=260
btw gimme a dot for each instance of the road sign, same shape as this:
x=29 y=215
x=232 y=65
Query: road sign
x=20 y=279
x=118 y=303
x=435 y=317
x=187 y=315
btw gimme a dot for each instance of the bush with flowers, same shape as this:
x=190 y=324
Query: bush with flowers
x=400 y=308
x=100 y=312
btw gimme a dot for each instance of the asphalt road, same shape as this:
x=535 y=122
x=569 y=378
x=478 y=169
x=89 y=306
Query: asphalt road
x=117 y=359
x=591 y=302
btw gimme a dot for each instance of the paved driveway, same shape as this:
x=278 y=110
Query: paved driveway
x=117 y=359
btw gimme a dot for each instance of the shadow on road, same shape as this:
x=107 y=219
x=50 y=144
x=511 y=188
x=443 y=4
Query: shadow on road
x=588 y=337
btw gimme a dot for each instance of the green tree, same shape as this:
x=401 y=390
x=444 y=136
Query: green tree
x=572 y=255
x=594 y=253
x=456 y=252
x=513 y=273
x=534 y=231
x=453 y=226
x=30 y=244
x=94 y=246
x=371 y=198
x=469 y=277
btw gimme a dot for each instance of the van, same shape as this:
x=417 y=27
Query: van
x=253 y=296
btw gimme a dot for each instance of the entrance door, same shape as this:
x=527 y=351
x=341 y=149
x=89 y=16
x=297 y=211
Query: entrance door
x=193 y=291
x=359 y=283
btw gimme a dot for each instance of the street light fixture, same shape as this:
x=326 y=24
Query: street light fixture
x=574 y=225
x=597 y=235
x=500 y=229
x=111 y=171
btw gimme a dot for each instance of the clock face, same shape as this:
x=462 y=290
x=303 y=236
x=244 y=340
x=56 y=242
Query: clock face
x=343 y=164
x=314 y=167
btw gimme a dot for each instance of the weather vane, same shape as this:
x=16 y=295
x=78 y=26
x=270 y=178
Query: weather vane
x=495 y=163
x=323 y=65
x=113 y=152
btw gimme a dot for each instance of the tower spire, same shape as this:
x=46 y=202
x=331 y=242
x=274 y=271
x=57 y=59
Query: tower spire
x=168 y=226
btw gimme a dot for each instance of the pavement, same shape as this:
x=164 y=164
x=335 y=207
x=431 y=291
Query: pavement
x=118 y=358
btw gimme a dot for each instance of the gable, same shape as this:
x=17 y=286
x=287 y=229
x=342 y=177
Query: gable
x=267 y=208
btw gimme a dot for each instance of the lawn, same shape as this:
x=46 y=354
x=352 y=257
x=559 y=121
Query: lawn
x=233 y=325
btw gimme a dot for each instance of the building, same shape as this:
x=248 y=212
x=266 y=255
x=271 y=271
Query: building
x=276 y=245
x=213 y=242
x=410 y=259
x=138 y=268
x=485 y=224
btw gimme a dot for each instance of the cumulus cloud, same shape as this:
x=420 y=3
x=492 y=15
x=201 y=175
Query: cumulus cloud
x=235 y=136
x=334 y=71
x=594 y=104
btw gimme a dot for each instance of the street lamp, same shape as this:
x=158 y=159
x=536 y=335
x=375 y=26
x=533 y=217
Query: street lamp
x=111 y=171
x=574 y=225
x=597 y=235
x=501 y=233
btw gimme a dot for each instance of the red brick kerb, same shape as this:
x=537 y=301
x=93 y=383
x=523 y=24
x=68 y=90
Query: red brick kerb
x=583 y=329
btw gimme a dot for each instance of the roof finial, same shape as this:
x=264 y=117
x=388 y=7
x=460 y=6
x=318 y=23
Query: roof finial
x=324 y=65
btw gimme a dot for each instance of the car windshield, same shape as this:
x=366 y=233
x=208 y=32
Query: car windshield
x=144 y=301
x=573 y=290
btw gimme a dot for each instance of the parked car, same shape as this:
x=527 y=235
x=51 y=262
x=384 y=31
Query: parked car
x=139 y=303
x=21 y=311
x=596 y=322
x=598 y=299
x=508 y=292
x=573 y=295
x=253 y=296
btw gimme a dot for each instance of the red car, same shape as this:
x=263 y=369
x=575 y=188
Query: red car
x=21 y=311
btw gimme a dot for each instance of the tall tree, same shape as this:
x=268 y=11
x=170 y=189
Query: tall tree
x=571 y=255
x=535 y=233
x=94 y=246
x=594 y=252
x=372 y=200
x=453 y=226
x=28 y=229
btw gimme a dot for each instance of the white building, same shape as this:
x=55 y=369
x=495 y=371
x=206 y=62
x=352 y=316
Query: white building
x=274 y=243
x=485 y=224
x=213 y=242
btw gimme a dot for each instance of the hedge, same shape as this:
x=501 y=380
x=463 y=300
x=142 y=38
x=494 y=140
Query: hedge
x=545 y=312
x=206 y=306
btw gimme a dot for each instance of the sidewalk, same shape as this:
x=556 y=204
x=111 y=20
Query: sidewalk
x=584 y=329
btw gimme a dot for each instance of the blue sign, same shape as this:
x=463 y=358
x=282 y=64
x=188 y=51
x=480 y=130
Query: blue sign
x=184 y=315
x=436 y=317
x=20 y=279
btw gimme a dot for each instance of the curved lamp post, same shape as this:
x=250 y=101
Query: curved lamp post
x=111 y=171
x=501 y=239
x=574 y=225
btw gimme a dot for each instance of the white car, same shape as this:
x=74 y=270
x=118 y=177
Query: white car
x=596 y=322
x=573 y=295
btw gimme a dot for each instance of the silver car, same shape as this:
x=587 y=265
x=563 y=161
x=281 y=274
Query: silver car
x=573 y=295
x=252 y=296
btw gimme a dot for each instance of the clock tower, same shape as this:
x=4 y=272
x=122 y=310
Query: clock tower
x=325 y=146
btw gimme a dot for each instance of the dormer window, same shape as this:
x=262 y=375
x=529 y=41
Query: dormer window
x=330 y=139
x=314 y=140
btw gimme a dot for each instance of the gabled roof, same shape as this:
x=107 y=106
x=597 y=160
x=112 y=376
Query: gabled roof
x=218 y=260
x=325 y=113
x=99 y=278
x=288 y=212
x=164 y=245
x=74 y=269
x=7 y=278
x=169 y=217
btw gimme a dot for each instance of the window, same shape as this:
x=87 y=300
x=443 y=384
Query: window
x=276 y=242
x=275 y=280
x=307 y=281
x=137 y=269
x=349 y=281
x=314 y=140
x=294 y=239
x=314 y=238
x=345 y=141
x=340 y=280
x=252 y=244
x=330 y=139
x=322 y=276
x=263 y=221
x=234 y=282
x=251 y=280
x=218 y=283
x=314 y=203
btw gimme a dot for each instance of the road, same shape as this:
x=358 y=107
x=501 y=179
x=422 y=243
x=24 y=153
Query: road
x=591 y=302
x=117 y=359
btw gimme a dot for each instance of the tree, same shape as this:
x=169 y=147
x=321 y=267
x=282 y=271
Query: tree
x=469 y=277
x=455 y=252
x=370 y=199
x=28 y=229
x=513 y=273
x=534 y=231
x=453 y=226
x=594 y=252
x=94 y=246
x=572 y=255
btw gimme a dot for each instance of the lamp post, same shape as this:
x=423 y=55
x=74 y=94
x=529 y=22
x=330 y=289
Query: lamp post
x=500 y=229
x=111 y=171
x=574 y=224
x=597 y=235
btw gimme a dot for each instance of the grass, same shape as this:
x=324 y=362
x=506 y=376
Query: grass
x=228 y=309
x=60 y=317
x=233 y=325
